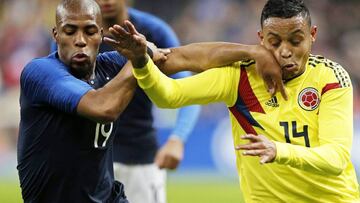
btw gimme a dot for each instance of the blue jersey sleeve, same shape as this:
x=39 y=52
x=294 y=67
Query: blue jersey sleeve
x=186 y=120
x=45 y=82
x=165 y=36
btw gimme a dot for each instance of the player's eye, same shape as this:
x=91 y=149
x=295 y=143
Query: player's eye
x=69 y=31
x=274 y=42
x=295 y=42
x=91 y=32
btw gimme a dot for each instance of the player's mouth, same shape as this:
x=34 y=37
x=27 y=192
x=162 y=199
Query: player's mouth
x=107 y=8
x=290 y=67
x=80 y=58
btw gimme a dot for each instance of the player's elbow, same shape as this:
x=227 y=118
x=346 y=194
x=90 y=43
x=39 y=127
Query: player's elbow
x=336 y=170
x=105 y=117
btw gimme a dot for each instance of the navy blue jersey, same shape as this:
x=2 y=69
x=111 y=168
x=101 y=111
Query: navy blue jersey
x=63 y=157
x=135 y=140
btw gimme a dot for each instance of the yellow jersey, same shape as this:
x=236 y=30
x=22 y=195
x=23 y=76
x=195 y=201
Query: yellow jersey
x=312 y=130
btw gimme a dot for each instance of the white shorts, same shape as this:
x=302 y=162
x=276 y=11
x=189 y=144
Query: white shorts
x=143 y=183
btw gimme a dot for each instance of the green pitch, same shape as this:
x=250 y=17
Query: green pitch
x=10 y=191
x=211 y=191
x=190 y=190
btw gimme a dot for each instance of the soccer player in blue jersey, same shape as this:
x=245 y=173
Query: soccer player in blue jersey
x=135 y=145
x=69 y=101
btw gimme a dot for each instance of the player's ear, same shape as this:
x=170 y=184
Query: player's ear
x=313 y=33
x=54 y=34
x=261 y=37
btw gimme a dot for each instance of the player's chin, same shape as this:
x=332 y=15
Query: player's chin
x=81 y=70
x=287 y=75
x=109 y=15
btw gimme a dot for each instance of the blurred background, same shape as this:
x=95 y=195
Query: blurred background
x=207 y=173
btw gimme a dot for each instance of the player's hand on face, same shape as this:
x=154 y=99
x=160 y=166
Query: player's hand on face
x=259 y=146
x=270 y=70
x=170 y=155
x=127 y=41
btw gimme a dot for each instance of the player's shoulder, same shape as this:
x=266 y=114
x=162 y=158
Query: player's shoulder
x=41 y=64
x=111 y=57
x=234 y=69
x=247 y=66
x=328 y=68
x=43 y=60
x=323 y=63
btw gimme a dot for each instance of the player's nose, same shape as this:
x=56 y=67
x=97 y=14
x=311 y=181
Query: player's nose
x=80 y=40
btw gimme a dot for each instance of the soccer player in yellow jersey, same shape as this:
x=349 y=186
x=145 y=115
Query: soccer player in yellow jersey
x=287 y=151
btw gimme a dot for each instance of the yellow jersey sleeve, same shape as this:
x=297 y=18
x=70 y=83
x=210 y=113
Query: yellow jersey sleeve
x=214 y=85
x=335 y=133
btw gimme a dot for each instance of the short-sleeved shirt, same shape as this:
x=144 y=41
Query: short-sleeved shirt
x=135 y=141
x=63 y=157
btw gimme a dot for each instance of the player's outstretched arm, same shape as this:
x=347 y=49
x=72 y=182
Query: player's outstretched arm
x=214 y=85
x=105 y=104
x=198 y=57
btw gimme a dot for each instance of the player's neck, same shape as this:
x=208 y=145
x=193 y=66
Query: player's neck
x=89 y=76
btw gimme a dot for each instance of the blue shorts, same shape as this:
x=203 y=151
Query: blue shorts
x=118 y=193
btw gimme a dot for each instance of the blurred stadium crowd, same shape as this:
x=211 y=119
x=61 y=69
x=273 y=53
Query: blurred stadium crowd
x=25 y=33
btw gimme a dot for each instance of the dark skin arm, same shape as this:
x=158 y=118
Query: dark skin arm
x=198 y=57
x=105 y=104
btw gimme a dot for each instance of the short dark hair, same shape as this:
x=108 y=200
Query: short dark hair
x=285 y=9
x=77 y=6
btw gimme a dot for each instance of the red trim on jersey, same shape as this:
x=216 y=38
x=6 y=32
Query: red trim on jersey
x=246 y=93
x=330 y=86
x=244 y=123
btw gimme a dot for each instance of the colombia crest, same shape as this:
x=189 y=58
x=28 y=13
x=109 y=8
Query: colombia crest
x=309 y=99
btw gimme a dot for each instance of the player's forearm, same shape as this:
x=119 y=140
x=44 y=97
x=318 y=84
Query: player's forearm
x=329 y=159
x=198 y=57
x=204 y=88
x=160 y=89
x=104 y=105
